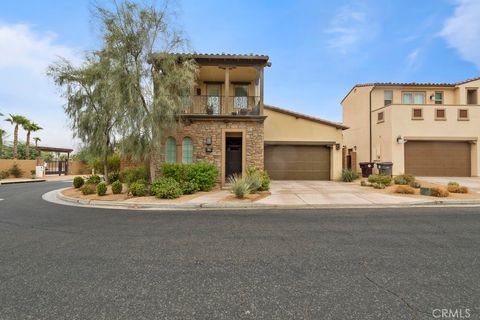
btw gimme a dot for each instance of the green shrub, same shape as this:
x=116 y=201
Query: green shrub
x=349 y=175
x=254 y=181
x=113 y=164
x=117 y=187
x=239 y=186
x=101 y=189
x=93 y=179
x=175 y=171
x=4 y=174
x=16 y=171
x=189 y=187
x=377 y=185
x=166 y=188
x=139 y=188
x=404 y=189
x=203 y=173
x=78 y=182
x=457 y=188
x=114 y=176
x=263 y=176
x=88 y=189
x=131 y=175
x=414 y=184
x=375 y=178
x=440 y=192
x=403 y=179
x=453 y=184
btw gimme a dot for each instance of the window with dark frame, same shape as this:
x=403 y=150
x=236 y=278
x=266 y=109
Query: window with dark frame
x=380 y=117
x=472 y=96
x=417 y=113
x=463 y=114
x=438 y=97
x=440 y=114
x=387 y=97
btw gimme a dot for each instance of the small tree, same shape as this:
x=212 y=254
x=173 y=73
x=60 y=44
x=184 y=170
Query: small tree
x=16 y=120
x=93 y=104
x=30 y=127
x=154 y=81
x=36 y=140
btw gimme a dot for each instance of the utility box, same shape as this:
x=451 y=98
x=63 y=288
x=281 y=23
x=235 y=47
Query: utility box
x=39 y=171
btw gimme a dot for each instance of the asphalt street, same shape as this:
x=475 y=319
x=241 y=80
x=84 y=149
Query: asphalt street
x=62 y=262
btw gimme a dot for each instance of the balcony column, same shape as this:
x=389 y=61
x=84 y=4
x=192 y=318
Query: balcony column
x=227 y=91
x=261 y=90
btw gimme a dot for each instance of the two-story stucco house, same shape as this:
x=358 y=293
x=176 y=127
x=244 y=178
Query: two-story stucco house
x=229 y=124
x=427 y=129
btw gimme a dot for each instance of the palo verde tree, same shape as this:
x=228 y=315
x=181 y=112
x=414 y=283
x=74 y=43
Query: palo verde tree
x=142 y=39
x=93 y=106
x=16 y=120
x=30 y=127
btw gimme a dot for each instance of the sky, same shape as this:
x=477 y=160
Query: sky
x=318 y=49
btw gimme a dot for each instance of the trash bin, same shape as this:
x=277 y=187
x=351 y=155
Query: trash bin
x=367 y=168
x=385 y=168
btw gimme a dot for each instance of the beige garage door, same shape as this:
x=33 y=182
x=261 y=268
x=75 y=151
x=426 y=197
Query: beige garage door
x=297 y=162
x=437 y=158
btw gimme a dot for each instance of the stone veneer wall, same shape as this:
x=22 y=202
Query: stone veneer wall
x=199 y=130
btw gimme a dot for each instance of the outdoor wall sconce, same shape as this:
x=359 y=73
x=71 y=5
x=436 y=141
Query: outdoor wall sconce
x=401 y=140
x=208 y=149
x=199 y=91
x=337 y=146
x=208 y=141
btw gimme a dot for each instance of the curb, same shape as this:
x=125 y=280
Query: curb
x=225 y=206
x=22 y=181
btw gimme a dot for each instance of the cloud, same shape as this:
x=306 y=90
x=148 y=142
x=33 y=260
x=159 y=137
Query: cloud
x=413 y=62
x=462 y=30
x=349 y=28
x=25 y=89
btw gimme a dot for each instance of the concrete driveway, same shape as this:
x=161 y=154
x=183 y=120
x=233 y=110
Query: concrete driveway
x=473 y=183
x=327 y=193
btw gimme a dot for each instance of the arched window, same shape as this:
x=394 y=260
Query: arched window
x=187 y=150
x=171 y=150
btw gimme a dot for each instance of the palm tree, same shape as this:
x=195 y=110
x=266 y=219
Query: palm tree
x=37 y=140
x=16 y=120
x=30 y=127
x=2 y=135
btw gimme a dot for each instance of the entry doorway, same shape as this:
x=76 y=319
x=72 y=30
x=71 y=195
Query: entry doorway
x=233 y=154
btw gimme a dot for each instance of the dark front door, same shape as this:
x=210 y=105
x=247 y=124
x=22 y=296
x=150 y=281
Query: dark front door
x=233 y=157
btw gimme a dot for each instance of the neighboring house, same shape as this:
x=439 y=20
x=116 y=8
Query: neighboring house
x=426 y=129
x=229 y=125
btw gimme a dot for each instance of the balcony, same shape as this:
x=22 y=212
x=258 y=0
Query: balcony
x=224 y=106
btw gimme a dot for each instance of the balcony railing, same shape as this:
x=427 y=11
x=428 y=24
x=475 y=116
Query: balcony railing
x=219 y=105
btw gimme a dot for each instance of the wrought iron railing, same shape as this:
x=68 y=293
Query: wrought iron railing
x=219 y=105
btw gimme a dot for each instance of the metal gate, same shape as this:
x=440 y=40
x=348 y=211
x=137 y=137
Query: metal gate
x=56 y=167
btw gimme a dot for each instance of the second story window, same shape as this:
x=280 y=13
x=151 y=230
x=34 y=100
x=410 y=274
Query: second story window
x=438 y=97
x=387 y=97
x=413 y=97
x=463 y=114
x=417 y=114
x=440 y=114
x=472 y=96
x=241 y=97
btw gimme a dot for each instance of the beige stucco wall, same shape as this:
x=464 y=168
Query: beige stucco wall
x=25 y=165
x=398 y=122
x=284 y=127
x=355 y=110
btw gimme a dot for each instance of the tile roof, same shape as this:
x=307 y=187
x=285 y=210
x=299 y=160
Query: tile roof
x=306 y=117
x=409 y=84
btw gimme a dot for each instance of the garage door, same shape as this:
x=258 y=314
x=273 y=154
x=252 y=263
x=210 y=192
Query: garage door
x=437 y=158
x=297 y=162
